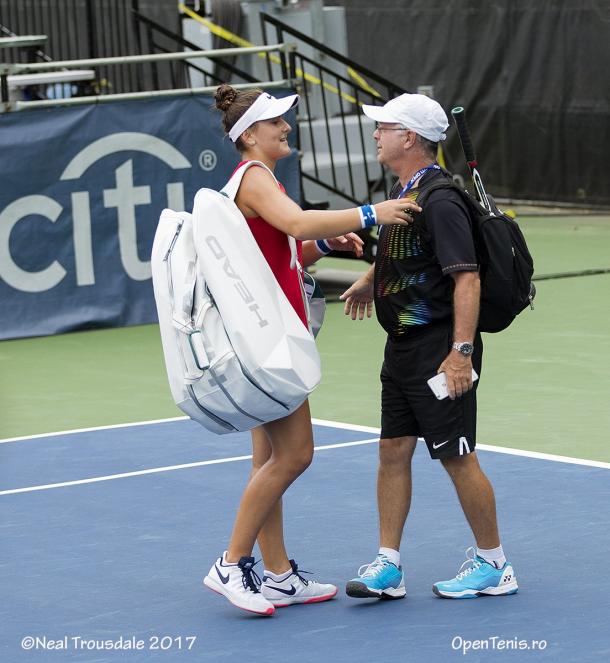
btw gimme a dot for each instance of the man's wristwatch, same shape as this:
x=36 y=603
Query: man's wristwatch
x=465 y=349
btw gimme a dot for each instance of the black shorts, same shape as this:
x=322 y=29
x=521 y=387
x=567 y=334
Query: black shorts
x=408 y=406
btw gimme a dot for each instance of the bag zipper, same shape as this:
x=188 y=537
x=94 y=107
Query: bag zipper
x=170 y=287
x=255 y=384
x=532 y=295
x=166 y=259
x=230 y=398
x=174 y=239
x=211 y=415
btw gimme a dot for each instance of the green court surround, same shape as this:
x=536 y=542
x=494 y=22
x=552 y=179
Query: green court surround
x=545 y=382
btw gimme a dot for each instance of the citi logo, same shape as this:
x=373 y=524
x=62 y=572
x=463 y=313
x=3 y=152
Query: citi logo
x=124 y=198
x=239 y=285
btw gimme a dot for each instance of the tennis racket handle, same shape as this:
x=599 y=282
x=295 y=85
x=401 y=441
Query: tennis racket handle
x=459 y=115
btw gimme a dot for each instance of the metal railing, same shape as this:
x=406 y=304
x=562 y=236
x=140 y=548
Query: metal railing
x=86 y=35
x=338 y=135
x=333 y=140
x=337 y=160
x=388 y=88
x=152 y=30
x=79 y=29
x=21 y=68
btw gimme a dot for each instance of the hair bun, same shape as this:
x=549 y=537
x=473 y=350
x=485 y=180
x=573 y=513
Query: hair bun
x=224 y=96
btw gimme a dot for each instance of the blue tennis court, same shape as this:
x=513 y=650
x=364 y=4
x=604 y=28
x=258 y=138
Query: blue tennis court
x=108 y=533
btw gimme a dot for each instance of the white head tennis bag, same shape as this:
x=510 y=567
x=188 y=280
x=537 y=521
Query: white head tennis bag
x=237 y=354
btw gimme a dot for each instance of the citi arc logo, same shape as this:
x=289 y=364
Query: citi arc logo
x=124 y=198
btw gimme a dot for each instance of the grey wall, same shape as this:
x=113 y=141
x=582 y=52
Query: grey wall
x=533 y=77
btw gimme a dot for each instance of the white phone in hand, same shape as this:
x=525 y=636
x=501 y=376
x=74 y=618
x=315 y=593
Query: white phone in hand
x=438 y=384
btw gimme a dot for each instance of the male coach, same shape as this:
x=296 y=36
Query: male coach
x=426 y=289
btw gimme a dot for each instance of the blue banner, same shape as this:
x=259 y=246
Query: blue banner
x=81 y=190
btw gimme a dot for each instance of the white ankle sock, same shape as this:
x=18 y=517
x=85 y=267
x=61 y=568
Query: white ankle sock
x=391 y=554
x=223 y=560
x=277 y=577
x=495 y=556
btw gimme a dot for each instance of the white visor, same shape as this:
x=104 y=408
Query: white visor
x=265 y=107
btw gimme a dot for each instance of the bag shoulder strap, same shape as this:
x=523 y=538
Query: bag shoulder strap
x=231 y=188
x=443 y=184
x=472 y=204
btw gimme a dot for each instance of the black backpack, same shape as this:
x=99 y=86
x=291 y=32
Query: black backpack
x=505 y=263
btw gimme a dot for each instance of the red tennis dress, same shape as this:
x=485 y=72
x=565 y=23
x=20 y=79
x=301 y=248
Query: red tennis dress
x=273 y=244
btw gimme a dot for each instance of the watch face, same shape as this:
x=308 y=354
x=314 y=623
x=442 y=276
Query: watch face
x=465 y=349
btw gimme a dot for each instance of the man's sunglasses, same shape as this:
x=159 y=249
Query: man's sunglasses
x=379 y=127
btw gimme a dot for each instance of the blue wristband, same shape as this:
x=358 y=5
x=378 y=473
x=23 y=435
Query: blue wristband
x=368 y=217
x=323 y=246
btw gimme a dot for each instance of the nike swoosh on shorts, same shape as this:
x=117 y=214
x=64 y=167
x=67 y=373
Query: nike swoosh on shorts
x=438 y=446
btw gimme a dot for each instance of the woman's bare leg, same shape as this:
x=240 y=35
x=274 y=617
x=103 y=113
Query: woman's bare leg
x=271 y=536
x=291 y=441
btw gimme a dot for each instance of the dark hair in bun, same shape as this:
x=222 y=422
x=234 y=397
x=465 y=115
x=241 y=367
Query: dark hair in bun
x=233 y=104
x=225 y=95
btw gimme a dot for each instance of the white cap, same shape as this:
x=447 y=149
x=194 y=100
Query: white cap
x=265 y=107
x=413 y=111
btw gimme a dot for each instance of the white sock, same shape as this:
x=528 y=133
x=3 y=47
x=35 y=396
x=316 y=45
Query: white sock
x=277 y=577
x=223 y=560
x=391 y=554
x=495 y=556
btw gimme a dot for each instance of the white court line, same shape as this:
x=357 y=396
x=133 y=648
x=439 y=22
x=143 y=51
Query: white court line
x=73 y=431
x=331 y=424
x=338 y=424
x=543 y=456
x=168 y=468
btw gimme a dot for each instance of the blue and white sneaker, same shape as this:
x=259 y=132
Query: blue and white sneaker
x=478 y=578
x=239 y=583
x=381 y=579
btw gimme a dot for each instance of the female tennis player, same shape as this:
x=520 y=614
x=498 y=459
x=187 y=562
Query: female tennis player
x=282 y=449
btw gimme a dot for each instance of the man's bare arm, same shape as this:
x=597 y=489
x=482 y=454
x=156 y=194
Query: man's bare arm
x=466 y=302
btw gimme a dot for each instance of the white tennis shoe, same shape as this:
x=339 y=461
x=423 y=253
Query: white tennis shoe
x=292 y=588
x=240 y=584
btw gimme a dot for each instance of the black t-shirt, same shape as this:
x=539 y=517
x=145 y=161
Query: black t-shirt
x=413 y=286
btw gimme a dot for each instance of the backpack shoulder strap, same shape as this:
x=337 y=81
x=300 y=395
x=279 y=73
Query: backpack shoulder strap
x=231 y=188
x=470 y=202
x=427 y=190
